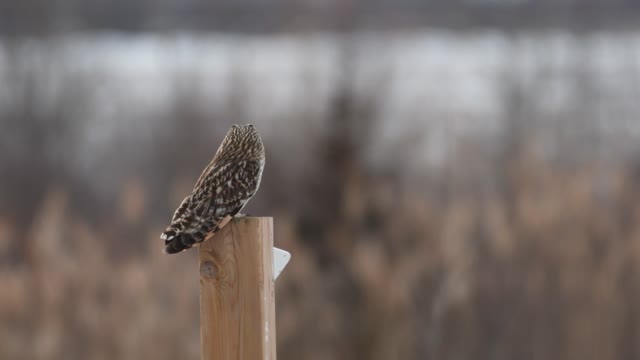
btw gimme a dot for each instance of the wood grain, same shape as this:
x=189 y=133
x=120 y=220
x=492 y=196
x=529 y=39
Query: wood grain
x=237 y=305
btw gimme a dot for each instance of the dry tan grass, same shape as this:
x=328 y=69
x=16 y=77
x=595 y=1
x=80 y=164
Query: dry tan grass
x=548 y=272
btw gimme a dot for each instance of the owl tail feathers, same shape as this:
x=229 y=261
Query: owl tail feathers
x=176 y=243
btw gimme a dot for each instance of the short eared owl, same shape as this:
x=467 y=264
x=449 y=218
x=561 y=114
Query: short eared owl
x=223 y=189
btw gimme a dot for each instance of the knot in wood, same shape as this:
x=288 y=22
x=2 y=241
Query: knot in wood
x=208 y=270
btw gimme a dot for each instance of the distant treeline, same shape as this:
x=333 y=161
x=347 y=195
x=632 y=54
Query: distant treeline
x=41 y=17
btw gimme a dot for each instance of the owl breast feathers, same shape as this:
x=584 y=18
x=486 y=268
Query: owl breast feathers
x=223 y=189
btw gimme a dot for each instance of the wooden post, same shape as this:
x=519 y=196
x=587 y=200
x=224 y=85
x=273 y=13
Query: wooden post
x=237 y=305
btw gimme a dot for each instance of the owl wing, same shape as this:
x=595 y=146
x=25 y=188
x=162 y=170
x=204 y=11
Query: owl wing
x=221 y=192
x=207 y=187
x=181 y=209
x=225 y=188
x=240 y=184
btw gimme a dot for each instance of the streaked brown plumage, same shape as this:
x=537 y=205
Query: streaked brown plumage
x=223 y=189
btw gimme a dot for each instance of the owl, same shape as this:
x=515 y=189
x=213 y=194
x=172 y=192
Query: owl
x=222 y=190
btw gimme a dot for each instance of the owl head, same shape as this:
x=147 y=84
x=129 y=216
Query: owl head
x=242 y=142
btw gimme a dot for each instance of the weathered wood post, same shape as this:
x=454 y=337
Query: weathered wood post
x=237 y=305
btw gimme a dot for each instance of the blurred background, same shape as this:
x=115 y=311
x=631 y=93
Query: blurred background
x=455 y=179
